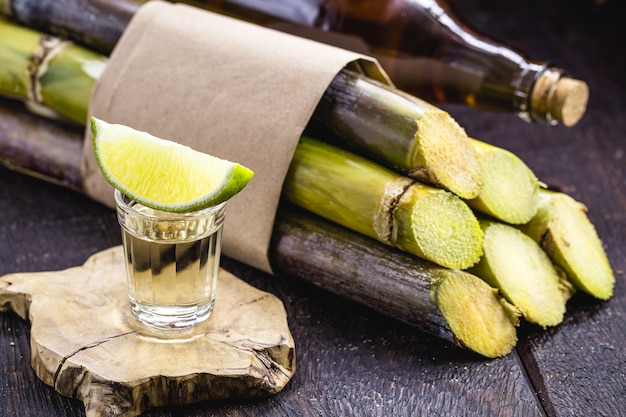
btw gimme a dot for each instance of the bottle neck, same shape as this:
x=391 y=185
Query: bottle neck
x=522 y=87
x=432 y=54
x=429 y=52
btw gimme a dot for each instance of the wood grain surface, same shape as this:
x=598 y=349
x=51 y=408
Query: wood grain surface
x=353 y=361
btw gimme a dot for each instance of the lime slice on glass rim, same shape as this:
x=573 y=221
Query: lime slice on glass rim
x=162 y=174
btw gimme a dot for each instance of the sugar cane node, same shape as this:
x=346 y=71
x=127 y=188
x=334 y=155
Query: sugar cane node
x=54 y=77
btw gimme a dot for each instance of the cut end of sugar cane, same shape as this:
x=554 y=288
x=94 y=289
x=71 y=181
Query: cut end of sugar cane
x=436 y=225
x=510 y=187
x=361 y=195
x=517 y=266
x=477 y=315
x=563 y=229
x=402 y=132
x=445 y=156
x=162 y=174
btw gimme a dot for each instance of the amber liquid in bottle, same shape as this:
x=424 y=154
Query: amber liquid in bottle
x=427 y=51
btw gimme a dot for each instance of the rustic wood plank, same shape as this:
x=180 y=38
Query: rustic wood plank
x=578 y=368
x=351 y=360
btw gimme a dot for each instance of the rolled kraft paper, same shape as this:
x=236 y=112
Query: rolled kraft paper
x=225 y=87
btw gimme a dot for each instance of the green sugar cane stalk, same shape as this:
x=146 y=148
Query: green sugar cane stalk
x=510 y=187
x=402 y=132
x=53 y=76
x=563 y=229
x=357 y=193
x=451 y=304
x=516 y=265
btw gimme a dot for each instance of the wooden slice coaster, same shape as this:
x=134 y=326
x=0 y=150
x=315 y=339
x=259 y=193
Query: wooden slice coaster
x=86 y=344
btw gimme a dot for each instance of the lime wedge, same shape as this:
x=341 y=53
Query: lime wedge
x=162 y=174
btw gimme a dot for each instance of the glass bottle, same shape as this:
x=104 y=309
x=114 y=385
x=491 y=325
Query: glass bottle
x=424 y=47
x=427 y=51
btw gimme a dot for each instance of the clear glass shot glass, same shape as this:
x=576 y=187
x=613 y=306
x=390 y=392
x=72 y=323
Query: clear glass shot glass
x=172 y=262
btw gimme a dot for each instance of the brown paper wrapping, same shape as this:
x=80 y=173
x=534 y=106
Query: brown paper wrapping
x=225 y=87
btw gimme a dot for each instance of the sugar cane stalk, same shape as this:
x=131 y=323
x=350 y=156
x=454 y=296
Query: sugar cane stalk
x=32 y=145
x=96 y=24
x=366 y=197
x=54 y=76
x=452 y=305
x=99 y=24
x=521 y=270
x=402 y=132
x=511 y=193
x=563 y=229
x=510 y=188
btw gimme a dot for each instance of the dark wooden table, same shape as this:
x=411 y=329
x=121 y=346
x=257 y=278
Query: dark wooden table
x=355 y=362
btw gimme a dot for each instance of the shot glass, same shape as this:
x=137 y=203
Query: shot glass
x=172 y=262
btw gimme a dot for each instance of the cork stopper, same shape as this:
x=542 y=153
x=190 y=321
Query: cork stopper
x=569 y=100
x=559 y=99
